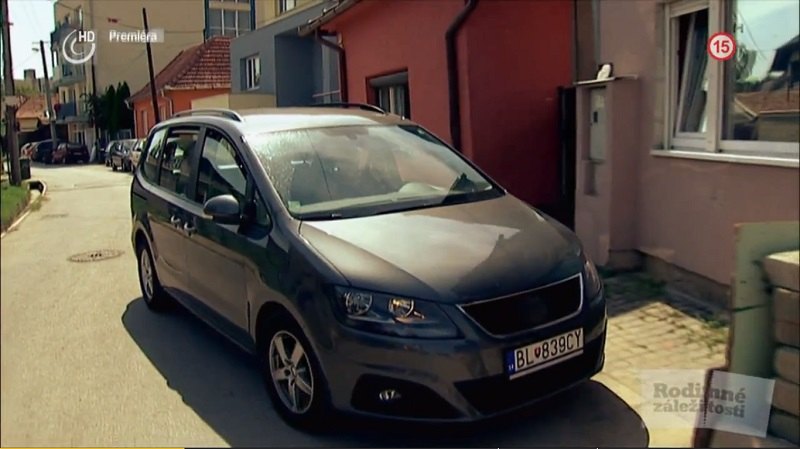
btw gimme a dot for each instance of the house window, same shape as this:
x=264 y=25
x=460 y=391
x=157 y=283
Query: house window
x=761 y=95
x=749 y=105
x=286 y=5
x=162 y=112
x=391 y=93
x=228 y=22
x=252 y=72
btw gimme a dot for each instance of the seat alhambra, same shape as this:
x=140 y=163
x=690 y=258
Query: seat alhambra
x=371 y=268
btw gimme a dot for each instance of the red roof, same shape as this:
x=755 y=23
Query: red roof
x=35 y=107
x=203 y=66
x=765 y=102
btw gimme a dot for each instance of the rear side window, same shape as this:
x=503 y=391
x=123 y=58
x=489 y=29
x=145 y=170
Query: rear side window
x=150 y=165
x=176 y=160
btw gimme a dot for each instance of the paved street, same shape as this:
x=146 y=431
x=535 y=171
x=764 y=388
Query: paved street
x=85 y=364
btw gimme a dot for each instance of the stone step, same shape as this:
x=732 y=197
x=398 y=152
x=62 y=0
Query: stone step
x=786 y=397
x=787 y=364
x=785 y=426
x=786 y=305
x=783 y=269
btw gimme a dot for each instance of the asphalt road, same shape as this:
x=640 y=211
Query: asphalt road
x=84 y=363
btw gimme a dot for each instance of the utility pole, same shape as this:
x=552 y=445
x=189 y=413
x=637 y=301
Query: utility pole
x=48 y=96
x=11 y=105
x=150 y=67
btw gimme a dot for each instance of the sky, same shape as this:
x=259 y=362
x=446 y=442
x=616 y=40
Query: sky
x=32 y=21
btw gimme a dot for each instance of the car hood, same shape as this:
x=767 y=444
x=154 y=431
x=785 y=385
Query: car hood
x=453 y=254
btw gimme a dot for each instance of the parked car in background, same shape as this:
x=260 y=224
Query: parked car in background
x=68 y=152
x=136 y=153
x=104 y=153
x=43 y=151
x=371 y=267
x=121 y=155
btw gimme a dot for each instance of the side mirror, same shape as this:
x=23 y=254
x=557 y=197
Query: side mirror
x=223 y=209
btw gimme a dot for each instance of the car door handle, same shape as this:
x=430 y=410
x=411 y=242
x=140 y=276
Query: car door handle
x=189 y=228
x=176 y=221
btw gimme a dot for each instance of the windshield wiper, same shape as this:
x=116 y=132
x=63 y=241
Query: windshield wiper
x=321 y=216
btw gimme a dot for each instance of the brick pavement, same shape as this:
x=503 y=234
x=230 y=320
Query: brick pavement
x=649 y=330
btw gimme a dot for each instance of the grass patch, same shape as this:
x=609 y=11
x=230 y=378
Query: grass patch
x=633 y=284
x=13 y=200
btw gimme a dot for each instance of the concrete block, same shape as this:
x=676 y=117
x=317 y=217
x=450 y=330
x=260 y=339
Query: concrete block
x=786 y=397
x=783 y=269
x=786 y=305
x=785 y=426
x=729 y=439
x=787 y=334
x=787 y=364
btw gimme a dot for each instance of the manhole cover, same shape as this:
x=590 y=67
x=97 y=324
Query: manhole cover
x=96 y=255
x=47 y=216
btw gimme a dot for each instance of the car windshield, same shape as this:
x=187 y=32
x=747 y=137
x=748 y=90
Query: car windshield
x=341 y=172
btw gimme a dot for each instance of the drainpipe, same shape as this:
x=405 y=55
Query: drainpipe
x=338 y=48
x=452 y=71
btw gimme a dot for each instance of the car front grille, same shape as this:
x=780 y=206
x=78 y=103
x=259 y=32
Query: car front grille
x=495 y=394
x=531 y=309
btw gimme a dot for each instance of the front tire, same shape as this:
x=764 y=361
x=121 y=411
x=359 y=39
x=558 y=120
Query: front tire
x=113 y=167
x=293 y=377
x=153 y=294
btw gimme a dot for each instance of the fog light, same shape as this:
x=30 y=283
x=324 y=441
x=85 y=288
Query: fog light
x=389 y=395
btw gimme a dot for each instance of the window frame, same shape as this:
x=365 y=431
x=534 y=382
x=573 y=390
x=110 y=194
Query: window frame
x=194 y=162
x=221 y=25
x=283 y=6
x=391 y=82
x=252 y=79
x=710 y=142
x=251 y=190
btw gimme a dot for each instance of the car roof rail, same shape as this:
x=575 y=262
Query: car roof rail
x=222 y=112
x=364 y=106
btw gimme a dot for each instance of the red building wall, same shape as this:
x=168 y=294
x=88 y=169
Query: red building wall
x=382 y=37
x=181 y=100
x=512 y=57
x=519 y=52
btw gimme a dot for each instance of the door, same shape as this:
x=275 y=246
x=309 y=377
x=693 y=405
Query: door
x=168 y=163
x=218 y=252
x=564 y=209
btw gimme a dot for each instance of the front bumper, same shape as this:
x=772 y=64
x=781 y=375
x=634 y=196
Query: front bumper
x=453 y=380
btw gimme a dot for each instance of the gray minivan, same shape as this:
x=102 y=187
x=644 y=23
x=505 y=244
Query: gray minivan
x=371 y=268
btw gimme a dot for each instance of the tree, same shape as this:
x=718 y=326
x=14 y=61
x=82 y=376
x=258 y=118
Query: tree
x=125 y=114
x=94 y=109
x=110 y=106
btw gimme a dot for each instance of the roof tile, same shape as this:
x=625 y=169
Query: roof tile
x=203 y=66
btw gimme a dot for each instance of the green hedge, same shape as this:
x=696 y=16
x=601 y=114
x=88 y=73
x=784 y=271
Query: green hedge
x=12 y=202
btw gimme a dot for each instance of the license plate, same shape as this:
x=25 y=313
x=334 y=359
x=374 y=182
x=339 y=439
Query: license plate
x=540 y=355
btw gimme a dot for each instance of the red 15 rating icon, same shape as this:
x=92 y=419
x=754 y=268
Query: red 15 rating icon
x=721 y=46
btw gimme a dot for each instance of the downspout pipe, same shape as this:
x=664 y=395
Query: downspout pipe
x=339 y=49
x=452 y=71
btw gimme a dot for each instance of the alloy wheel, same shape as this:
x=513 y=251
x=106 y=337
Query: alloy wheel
x=146 y=269
x=291 y=373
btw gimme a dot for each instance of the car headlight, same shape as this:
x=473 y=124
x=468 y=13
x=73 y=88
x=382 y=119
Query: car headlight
x=392 y=315
x=592 y=282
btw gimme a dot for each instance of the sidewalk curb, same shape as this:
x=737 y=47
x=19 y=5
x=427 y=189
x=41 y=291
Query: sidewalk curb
x=28 y=208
